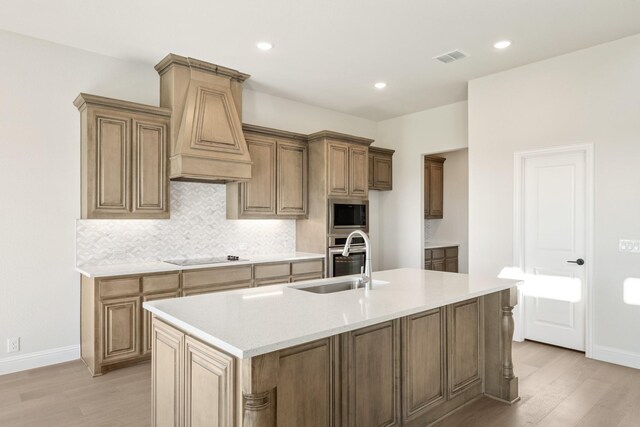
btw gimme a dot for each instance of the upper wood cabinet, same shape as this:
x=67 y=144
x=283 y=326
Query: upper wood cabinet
x=278 y=186
x=346 y=159
x=348 y=170
x=338 y=155
x=124 y=159
x=292 y=175
x=358 y=171
x=433 y=187
x=380 y=169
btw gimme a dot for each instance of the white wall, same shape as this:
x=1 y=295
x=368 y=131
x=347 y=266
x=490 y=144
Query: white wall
x=40 y=180
x=400 y=210
x=454 y=225
x=588 y=96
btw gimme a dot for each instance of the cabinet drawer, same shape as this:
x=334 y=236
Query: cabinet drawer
x=437 y=253
x=310 y=276
x=272 y=281
x=215 y=288
x=119 y=287
x=306 y=267
x=266 y=271
x=216 y=276
x=451 y=252
x=427 y=254
x=161 y=283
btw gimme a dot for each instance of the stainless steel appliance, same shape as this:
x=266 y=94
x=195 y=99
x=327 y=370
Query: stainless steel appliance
x=347 y=215
x=340 y=265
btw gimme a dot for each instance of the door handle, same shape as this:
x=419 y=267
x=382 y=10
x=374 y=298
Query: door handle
x=579 y=261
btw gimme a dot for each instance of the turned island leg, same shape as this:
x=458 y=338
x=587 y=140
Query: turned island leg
x=500 y=381
x=259 y=379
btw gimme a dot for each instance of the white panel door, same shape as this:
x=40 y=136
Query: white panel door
x=554 y=239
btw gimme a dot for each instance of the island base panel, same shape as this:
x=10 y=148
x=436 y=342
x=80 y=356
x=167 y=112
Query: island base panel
x=411 y=371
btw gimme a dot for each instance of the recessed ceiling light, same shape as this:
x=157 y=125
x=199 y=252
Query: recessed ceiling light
x=380 y=85
x=264 y=45
x=503 y=44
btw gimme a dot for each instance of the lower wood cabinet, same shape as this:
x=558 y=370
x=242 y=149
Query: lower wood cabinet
x=167 y=376
x=306 y=385
x=441 y=259
x=371 y=372
x=463 y=320
x=120 y=322
x=404 y=372
x=424 y=363
x=147 y=338
x=201 y=391
x=116 y=331
x=209 y=386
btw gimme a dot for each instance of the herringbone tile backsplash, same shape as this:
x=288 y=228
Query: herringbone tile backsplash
x=198 y=228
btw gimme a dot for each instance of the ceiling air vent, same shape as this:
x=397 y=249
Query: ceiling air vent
x=454 y=55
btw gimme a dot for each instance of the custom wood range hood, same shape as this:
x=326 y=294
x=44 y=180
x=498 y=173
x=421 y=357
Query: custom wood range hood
x=206 y=139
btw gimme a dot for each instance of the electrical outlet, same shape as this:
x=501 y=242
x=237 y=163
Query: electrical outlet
x=13 y=345
x=632 y=246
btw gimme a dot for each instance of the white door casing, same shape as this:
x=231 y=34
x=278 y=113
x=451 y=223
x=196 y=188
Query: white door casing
x=553 y=226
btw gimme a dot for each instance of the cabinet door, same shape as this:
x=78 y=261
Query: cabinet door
x=427 y=189
x=436 y=190
x=120 y=329
x=209 y=386
x=382 y=173
x=451 y=265
x=358 y=171
x=147 y=330
x=438 y=265
x=292 y=179
x=371 y=375
x=258 y=195
x=338 y=179
x=463 y=345
x=424 y=362
x=166 y=375
x=150 y=179
x=371 y=172
x=108 y=178
x=306 y=385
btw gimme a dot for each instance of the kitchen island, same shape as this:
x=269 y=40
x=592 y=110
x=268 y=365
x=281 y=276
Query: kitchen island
x=416 y=347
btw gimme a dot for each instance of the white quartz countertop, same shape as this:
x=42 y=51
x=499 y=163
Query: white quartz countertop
x=250 y=322
x=159 y=266
x=436 y=245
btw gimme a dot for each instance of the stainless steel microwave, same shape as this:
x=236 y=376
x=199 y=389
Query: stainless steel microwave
x=346 y=215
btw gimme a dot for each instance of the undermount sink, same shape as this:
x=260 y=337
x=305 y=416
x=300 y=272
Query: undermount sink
x=339 y=286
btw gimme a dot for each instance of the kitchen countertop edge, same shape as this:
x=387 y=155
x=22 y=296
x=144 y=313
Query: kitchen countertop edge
x=151 y=267
x=501 y=284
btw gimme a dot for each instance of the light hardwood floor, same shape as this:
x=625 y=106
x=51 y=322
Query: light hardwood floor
x=558 y=388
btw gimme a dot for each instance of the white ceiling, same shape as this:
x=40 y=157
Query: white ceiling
x=330 y=52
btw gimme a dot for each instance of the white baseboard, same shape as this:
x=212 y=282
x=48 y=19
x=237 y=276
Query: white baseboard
x=38 y=359
x=616 y=355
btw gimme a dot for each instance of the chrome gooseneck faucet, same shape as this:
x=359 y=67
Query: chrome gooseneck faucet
x=366 y=279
